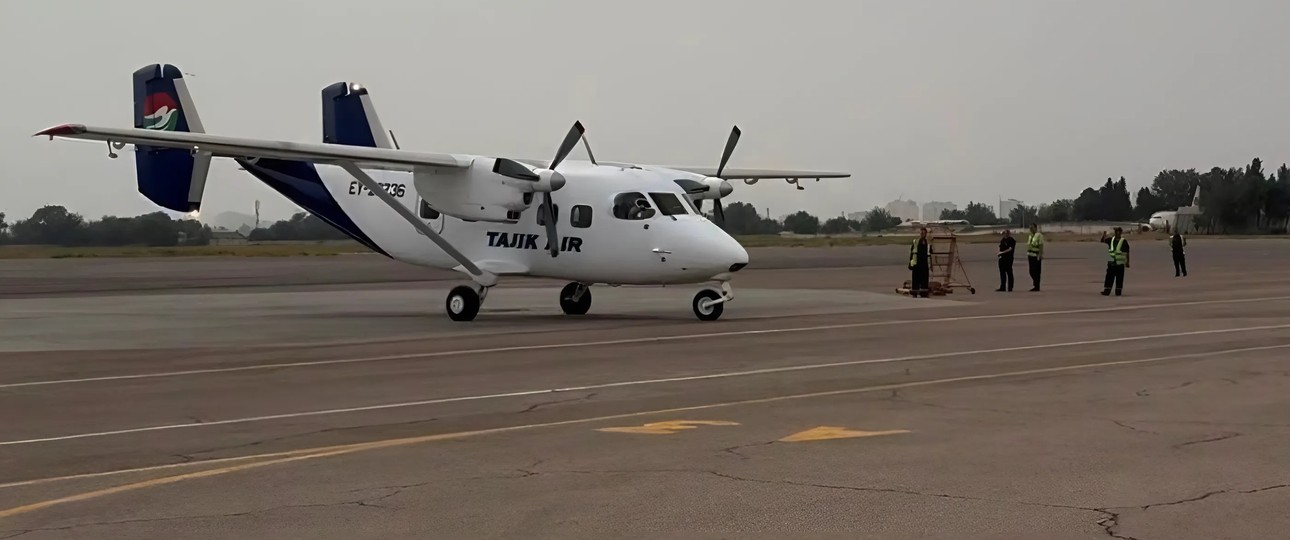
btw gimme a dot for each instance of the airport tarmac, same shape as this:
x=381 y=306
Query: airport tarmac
x=331 y=398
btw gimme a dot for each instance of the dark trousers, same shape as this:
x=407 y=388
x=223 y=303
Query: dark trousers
x=920 y=283
x=1005 y=273
x=1114 y=275
x=1036 y=268
x=1180 y=264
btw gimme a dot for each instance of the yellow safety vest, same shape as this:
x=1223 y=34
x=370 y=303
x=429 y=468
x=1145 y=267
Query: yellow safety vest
x=913 y=253
x=1115 y=245
x=1033 y=243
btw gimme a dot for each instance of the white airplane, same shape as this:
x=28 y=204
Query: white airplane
x=614 y=223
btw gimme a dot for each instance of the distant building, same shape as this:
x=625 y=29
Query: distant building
x=905 y=210
x=1006 y=207
x=224 y=237
x=857 y=216
x=932 y=210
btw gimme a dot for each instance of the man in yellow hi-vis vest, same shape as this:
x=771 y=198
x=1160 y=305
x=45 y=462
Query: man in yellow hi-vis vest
x=1035 y=255
x=920 y=264
x=1118 y=250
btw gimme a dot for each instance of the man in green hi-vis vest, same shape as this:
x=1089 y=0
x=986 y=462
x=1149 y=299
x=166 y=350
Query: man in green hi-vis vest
x=920 y=264
x=1035 y=255
x=1117 y=248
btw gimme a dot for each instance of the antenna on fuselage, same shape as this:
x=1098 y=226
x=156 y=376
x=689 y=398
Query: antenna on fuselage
x=587 y=145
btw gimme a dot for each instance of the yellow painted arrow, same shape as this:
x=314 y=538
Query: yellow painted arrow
x=667 y=428
x=832 y=432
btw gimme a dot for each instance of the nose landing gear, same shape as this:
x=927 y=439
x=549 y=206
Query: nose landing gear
x=708 y=304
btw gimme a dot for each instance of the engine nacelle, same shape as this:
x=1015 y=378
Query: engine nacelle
x=479 y=194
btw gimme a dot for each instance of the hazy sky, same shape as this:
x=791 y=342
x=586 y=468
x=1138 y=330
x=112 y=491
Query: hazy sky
x=932 y=100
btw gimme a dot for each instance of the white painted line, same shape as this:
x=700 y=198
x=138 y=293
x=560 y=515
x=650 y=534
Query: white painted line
x=643 y=382
x=657 y=339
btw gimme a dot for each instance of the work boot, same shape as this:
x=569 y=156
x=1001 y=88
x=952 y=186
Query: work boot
x=1106 y=292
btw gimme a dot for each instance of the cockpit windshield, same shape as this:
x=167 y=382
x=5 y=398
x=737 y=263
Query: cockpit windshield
x=668 y=204
x=632 y=206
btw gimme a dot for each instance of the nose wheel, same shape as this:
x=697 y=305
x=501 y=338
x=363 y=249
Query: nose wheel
x=708 y=304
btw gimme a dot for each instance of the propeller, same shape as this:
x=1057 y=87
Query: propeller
x=546 y=209
x=725 y=157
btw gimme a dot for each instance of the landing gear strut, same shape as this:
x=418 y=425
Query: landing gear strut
x=463 y=303
x=575 y=299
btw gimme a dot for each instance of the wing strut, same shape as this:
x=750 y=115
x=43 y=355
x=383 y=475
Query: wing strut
x=484 y=278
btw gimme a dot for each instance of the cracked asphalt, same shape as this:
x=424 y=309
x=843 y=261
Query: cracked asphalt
x=1060 y=414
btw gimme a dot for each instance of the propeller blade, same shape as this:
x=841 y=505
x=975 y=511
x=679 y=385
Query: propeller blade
x=552 y=239
x=571 y=140
x=698 y=205
x=719 y=213
x=730 y=149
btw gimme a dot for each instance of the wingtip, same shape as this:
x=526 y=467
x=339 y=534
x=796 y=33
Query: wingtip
x=61 y=130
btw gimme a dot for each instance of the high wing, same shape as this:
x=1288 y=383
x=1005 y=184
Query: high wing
x=760 y=174
x=238 y=147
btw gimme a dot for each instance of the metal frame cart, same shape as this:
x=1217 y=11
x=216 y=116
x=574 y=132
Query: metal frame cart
x=944 y=260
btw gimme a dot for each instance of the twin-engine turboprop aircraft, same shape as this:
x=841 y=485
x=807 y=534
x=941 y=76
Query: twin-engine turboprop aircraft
x=586 y=222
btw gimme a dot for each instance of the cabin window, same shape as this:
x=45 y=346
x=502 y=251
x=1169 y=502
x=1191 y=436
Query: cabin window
x=555 y=209
x=580 y=216
x=427 y=212
x=668 y=204
x=632 y=206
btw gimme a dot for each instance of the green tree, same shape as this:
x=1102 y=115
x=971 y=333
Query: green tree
x=1147 y=203
x=979 y=214
x=801 y=222
x=948 y=214
x=1057 y=211
x=839 y=225
x=50 y=225
x=1023 y=215
x=878 y=219
x=4 y=229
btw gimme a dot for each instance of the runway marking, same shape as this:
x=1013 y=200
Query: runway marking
x=823 y=433
x=668 y=427
x=643 y=382
x=329 y=451
x=628 y=341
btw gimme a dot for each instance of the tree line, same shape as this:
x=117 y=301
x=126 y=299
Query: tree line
x=55 y=225
x=1236 y=200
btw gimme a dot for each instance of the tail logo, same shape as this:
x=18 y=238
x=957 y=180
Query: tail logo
x=160 y=112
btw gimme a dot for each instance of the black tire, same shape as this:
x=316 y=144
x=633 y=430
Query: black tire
x=713 y=312
x=462 y=304
x=571 y=307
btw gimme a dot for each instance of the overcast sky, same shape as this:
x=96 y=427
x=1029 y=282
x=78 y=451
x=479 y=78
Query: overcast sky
x=930 y=100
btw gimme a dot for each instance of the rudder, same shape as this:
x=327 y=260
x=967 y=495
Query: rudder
x=172 y=178
x=350 y=119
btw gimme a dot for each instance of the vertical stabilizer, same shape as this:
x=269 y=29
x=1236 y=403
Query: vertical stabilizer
x=170 y=177
x=350 y=119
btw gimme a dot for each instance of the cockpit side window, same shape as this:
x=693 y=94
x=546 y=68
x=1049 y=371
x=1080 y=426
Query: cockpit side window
x=668 y=204
x=632 y=206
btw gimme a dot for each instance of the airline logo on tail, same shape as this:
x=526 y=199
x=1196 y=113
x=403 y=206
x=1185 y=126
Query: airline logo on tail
x=160 y=112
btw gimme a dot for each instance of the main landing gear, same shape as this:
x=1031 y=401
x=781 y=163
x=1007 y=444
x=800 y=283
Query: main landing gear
x=463 y=301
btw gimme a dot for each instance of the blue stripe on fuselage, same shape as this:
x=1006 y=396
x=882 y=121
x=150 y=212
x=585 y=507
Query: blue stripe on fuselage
x=299 y=182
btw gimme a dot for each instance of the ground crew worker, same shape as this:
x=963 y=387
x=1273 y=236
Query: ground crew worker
x=1007 y=247
x=919 y=254
x=1118 y=250
x=1176 y=245
x=1035 y=254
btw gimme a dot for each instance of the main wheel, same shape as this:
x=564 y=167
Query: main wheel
x=575 y=307
x=462 y=304
x=704 y=309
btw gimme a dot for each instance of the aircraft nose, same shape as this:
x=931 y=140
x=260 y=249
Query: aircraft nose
x=732 y=255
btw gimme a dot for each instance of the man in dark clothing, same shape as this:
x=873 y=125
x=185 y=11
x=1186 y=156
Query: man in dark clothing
x=1176 y=244
x=1118 y=251
x=1007 y=247
x=919 y=263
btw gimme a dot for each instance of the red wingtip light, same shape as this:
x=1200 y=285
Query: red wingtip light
x=62 y=130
